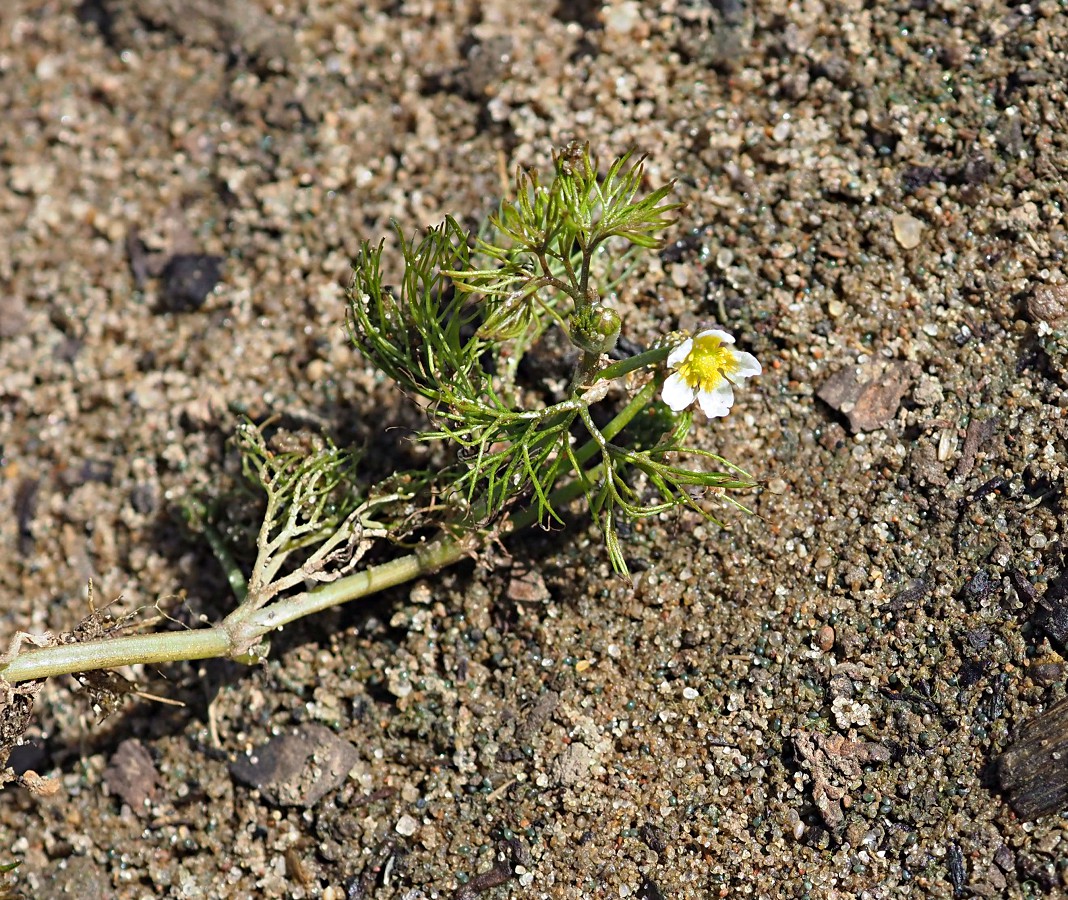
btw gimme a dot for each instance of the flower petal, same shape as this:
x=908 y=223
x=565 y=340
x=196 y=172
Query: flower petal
x=716 y=333
x=718 y=401
x=679 y=354
x=748 y=366
x=677 y=393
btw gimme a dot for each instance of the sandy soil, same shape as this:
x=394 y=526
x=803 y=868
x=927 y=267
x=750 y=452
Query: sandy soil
x=808 y=705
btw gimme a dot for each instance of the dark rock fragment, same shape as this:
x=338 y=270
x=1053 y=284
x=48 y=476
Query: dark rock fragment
x=1032 y=771
x=1052 y=618
x=510 y=854
x=653 y=837
x=868 y=395
x=132 y=775
x=25 y=510
x=980 y=588
x=297 y=769
x=1046 y=673
x=910 y=594
x=188 y=279
x=1050 y=610
x=956 y=869
x=977 y=170
x=1004 y=859
x=1048 y=303
x=649 y=890
x=979 y=432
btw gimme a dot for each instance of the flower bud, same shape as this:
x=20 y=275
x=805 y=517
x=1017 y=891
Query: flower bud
x=595 y=328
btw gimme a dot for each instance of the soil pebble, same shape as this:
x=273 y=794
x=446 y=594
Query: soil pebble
x=870 y=394
x=299 y=768
x=132 y=776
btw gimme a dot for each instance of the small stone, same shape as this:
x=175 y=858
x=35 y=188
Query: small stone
x=188 y=279
x=869 y=395
x=573 y=765
x=406 y=826
x=925 y=466
x=13 y=315
x=421 y=593
x=908 y=230
x=1046 y=673
x=33 y=178
x=1004 y=859
x=622 y=18
x=399 y=683
x=794 y=825
x=848 y=713
x=928 y=391
x=132 y=775
x=1048 y=303
x=316 y=370
x=825 y=638
x=528 y=587
x=297 y=769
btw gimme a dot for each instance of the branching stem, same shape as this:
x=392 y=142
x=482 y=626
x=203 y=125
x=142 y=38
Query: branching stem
x=243 y=629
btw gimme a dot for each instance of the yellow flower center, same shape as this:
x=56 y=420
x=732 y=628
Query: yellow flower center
x=708 y=362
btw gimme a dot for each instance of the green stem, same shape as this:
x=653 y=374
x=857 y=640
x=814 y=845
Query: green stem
x=435 y=555
x=234 y=576
x=623 y=418
x=631 y=363
x=586 y=367
x=176 y=646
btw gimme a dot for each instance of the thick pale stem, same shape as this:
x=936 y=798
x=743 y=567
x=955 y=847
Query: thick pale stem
x=203 y=643
x=248 y=629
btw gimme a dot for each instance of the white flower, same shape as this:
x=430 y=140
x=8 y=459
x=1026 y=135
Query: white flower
x=707 y=369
